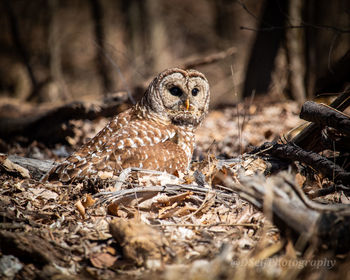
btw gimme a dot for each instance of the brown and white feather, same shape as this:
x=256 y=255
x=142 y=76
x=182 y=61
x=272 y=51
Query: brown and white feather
x=157 y=133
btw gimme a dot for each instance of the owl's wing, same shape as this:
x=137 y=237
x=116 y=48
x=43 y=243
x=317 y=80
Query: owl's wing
x=165 y=156
x=105 y=151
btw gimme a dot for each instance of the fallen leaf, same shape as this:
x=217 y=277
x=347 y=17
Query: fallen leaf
x=140 y=242
x=88 y=201
x=43 y=193
x=13 y=167
x=112 y=209
x=102 y=260
x=80 y=208
x=169 y=200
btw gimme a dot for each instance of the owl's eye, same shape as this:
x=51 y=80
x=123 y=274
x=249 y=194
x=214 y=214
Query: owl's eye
x=195 y=91
x=176 y=91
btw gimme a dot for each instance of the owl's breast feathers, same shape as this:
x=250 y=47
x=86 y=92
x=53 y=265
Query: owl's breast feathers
x=129 y=141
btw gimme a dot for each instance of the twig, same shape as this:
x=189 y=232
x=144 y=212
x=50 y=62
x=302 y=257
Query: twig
x=272 y=28
x=106 y=197
x=327 y=191
x=209 y=59
x=211 y=225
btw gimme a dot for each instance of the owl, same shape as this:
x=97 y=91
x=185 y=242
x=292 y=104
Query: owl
x=157 y=133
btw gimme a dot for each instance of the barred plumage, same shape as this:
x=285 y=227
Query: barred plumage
x=157 y=133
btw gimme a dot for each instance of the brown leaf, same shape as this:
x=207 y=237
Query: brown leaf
x=102 y=260
x=140 y=242
x=300 y=180
x=169 y=200
x=13 y=167
x=112 y=209
x=42 y=193
x=175 y=212
x=80 y=208
x=88 y=201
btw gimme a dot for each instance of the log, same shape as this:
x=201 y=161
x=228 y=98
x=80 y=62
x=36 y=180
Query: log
x=30 y=247
x=324 y=115
x=309 y=137
x=53 y=126
x=37 y=168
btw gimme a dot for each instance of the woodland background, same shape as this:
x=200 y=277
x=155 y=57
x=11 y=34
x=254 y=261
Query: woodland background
x=53 y=51
x=67 y=67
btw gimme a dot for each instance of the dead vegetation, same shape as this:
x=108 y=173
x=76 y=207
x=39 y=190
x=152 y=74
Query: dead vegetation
x=233 y=215
x=267 y=196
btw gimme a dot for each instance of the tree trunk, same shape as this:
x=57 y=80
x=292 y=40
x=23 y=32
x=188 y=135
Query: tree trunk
x=295 y=52
x=265 y=48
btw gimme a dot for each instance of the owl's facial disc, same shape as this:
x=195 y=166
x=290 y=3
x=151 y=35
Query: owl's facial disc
x=185 y=97
x=178 y=96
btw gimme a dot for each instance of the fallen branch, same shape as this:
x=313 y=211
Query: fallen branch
x=48 y=127
x=37 y=168
x=209 y=59
x=324 y=225
x=137 y=192
x=309 y=137
x=324 y=115
x=292 y=152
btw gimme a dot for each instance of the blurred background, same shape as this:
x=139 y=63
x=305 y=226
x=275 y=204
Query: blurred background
x=61 y=51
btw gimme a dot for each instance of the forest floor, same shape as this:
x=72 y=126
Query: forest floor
x=193 y=228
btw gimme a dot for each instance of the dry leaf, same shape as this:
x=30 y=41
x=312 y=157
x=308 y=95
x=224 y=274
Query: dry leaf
x=88 y=201
x=175 y=212
x=102 y=260
x=300 y=180
x=13 y=167
x=140 y=242
x=112 y=209
x=43 y=193
x=80 y=208
x=169 y=200
x=111 y=251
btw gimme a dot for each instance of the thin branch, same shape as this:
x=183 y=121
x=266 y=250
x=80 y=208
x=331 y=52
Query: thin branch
x=244 y=6
x=209 y=59
x=106 y=197
x=205 y=225
x=321 y=26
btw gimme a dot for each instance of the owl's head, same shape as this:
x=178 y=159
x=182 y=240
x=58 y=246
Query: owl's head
x=180 y=96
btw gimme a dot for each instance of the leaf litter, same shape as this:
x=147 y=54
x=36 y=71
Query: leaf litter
x=192 y=227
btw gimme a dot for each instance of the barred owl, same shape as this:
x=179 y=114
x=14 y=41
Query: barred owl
x=157 y=133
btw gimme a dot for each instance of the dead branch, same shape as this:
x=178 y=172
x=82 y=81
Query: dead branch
x=327 y=190
x=292 y=152
x=324 y=115
x=27 y=246
x=139 y=192
x=209 y=59
x=309 y=137
x=328 y=225
x=37 y=168
x=48 y=127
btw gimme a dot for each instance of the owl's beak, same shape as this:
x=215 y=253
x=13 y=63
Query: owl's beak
x=187 y=104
